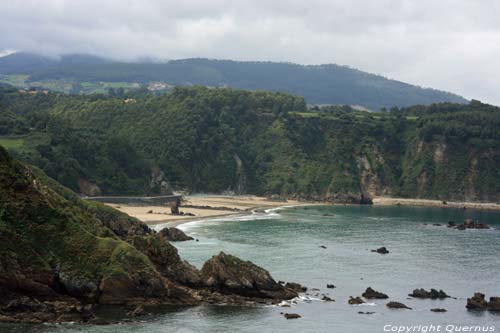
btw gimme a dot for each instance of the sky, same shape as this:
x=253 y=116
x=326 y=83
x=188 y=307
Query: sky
x=452 y=45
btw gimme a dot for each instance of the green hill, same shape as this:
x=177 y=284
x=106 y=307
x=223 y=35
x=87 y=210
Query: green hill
x=214 y=140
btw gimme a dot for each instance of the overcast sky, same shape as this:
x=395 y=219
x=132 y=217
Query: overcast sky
x=452 y=45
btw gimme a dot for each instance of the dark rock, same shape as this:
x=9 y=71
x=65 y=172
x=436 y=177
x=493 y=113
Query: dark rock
x=322 y=246
x=298 y=288
x=451 y=224
x=432 y=294
x=438 y=310
x=367 y=313
x=330 y=286
x=381 y=250
x=174 y=235
x=355 y=300
x=78 y=286
x=477 y=302
x=437 y=224
x=461 y=227
x=292 y=316
x=373 y=294
x=397 y=305
x=137 y=312
x=328 y=214
x=494 y=304
x=327 y=299
x=230 y=274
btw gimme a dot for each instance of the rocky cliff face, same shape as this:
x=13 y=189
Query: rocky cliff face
x=59 y=254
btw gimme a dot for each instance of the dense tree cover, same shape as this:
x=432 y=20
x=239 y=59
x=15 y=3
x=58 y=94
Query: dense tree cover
x=322 y=84
x=198 y=136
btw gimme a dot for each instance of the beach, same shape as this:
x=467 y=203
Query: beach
x=202 y=206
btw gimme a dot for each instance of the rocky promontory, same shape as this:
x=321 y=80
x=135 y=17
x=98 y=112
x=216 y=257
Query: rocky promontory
x=61 y=257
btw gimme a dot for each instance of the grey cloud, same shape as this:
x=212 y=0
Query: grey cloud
x=447 y=44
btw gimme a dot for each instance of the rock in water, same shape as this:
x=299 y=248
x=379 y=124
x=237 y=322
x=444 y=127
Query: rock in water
x=229 y=274
x=381 y=250
x=174 y=235
x=433 y=294
x=355 y=300
x=330 y=286
x=494 y=304
x=292 y=316
x=327 y=299
x=298 y=288
x=397 y=305
x=373 y=294
x=477 y=302
x=438 y=310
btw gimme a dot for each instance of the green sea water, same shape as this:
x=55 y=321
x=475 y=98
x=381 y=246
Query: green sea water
x=287 y=243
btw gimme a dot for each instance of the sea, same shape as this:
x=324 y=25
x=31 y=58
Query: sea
x=320 y=245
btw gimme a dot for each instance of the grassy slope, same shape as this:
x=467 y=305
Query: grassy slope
x=41 y=230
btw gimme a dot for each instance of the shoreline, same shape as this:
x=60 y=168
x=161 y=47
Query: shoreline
x=390 y=201
x=204 y=207
x=215 y=206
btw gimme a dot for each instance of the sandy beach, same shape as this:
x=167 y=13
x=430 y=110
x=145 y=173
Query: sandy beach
x=202 y=207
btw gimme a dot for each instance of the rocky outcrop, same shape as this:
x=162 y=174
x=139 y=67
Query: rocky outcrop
x=468 y=224
x=478 y=302
x=60 y=256
x=229 y=274
x=432 y=294
x=174 y=235
x=373 y=294
x=355 y=300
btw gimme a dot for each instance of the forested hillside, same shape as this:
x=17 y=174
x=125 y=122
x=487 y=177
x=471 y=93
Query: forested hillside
x=321 y=84
x=214 y=140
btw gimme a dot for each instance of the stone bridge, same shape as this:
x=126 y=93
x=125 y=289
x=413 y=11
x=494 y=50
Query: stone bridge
x=173 y=201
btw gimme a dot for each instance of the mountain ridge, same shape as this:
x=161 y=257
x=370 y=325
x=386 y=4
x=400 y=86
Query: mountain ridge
x=318 y=84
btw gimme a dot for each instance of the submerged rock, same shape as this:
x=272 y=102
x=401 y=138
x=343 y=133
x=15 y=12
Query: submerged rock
x=432 y=294
x=381 y=250
x=327 y=299
x=397 y=305
x=174 y=235
x=367 y=313
x=292 y=316
x=229 y=274
x=439 y=310
x=137 y=312
x=373 y=294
